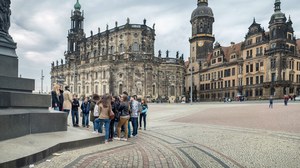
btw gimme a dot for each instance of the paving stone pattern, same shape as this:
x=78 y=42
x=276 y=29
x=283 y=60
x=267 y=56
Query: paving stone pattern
x=176 y=139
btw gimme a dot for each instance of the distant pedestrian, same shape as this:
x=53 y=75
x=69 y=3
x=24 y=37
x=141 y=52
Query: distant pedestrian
x=134 y=114
x=55 y=94
x=94 y=113
x=286 y=99
x=104 y=113
x=143 y=114
x=75 y=106
x=271 y=102
x=124 y=117
x=67 y=105
x=85 y=107
x=61 y=98
x=113 y=123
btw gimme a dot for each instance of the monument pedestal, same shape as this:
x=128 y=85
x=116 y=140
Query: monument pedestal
x=21 y=112
x=9 y=58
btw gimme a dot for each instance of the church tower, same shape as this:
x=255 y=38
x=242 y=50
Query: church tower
x=281 y=52
x=75 y=34
x=202 y=38
x=201 y=44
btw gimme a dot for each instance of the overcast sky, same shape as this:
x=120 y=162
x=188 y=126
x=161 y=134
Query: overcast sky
x=40 y=26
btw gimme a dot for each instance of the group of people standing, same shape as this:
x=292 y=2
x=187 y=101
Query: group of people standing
x=116 y=113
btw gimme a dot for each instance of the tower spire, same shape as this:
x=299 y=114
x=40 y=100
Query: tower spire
x=202 y=3
x=77 y=6
x=277 y=6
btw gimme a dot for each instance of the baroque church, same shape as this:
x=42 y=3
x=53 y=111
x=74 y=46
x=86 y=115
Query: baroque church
x=266 y=63
x=118 y=59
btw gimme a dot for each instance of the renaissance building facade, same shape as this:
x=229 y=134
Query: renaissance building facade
x=116 y=60
x=266 y=63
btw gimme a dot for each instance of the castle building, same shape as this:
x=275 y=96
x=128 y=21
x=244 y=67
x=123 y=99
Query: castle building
x=116 y=60
x=266 y=63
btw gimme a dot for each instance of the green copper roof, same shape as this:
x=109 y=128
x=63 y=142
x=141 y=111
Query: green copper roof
x=77 y=6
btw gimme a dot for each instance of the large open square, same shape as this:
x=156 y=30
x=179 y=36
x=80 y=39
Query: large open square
x=237 y=134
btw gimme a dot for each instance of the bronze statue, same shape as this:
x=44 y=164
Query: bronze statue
x=5 y=16
x=128 y=20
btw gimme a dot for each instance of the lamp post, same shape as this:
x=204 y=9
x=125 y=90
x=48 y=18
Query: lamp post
x=191 y=94
x=42 y=81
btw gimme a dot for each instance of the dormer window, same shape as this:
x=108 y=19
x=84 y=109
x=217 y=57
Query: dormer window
x=213 y=61
x=290 y=36
x=249 y=42
x=258 y=39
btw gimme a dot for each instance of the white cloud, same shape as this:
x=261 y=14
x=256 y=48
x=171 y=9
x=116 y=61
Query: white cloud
x=40 y=28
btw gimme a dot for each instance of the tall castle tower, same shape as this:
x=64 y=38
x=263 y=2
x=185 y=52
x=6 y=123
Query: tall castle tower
x=201 y=44
x=202 y=38
x=75 y=35
x=282 y=51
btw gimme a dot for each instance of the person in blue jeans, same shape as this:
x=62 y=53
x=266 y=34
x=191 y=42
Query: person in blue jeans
x=104 y=112
x=143 y=114
x=85 y=107
x=134 y=115
x=75 y=106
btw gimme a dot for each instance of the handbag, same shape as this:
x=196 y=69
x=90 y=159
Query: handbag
x=111 y=115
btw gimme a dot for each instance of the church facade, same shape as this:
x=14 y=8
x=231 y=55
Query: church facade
x=266 y=63
x=116 y=60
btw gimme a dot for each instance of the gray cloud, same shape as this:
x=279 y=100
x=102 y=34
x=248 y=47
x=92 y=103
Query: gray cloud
x=40 y=27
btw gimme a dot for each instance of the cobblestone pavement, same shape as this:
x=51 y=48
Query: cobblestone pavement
x=200 y=135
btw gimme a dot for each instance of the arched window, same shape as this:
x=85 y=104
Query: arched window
x=112 y=50
x=103 y=51
x=96 y=89
x=120 y=89
x=121 y=49
x=153 y=90
x=104 y=74
x=104 y=89
x=135 y=47
x=274 y=33
x=88 y=55
x=172 y=90
x=95 y=53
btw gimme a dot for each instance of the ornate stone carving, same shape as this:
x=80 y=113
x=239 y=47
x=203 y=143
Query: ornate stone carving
x=5 y=16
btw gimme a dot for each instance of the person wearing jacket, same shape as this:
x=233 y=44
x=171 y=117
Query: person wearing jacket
x=143 y=114
x=134 y=115
x=124 y=117
x=85 y=107
x=55 y=97
x=115 y=103
x=75 y=106
x=67 y=105
x=94 y=114
x=104 y=112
